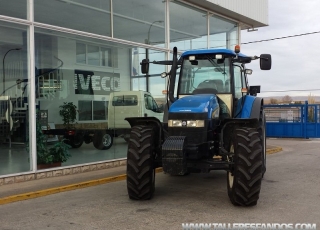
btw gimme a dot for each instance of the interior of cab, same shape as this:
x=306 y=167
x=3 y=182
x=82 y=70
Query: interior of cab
x=210 y=87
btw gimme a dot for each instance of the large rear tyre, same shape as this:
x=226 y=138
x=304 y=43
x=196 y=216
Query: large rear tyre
x=102 y=140
x=245 y=175
x=262 y=132
x=140 y=163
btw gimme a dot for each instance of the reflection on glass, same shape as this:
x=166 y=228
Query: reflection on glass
x=223 y=33
x=188 y=27
x=13 y=98
x=14 y=8
x=91 y=16
x=99 y=109
x=137 y=21
x=85 y=73
x=85 y=110
x=93 y=55
x=81 y=53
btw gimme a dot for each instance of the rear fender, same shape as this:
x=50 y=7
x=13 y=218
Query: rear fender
x=149 y=121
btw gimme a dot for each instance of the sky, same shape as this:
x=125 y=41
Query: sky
x=295 y=63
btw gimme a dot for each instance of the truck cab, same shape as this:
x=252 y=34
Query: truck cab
x=124 y=104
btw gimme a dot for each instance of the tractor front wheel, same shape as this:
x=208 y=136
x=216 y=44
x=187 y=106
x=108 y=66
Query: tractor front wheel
x=140 y=163
x=245 y=174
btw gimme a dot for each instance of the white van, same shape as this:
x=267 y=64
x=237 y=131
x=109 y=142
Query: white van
x=131 y=104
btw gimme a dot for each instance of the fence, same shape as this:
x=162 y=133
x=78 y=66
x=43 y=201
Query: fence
x=300 y=121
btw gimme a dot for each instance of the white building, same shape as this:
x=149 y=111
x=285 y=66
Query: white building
x=56 y=51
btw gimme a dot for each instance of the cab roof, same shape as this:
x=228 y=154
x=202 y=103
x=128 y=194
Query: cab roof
x=211 y=51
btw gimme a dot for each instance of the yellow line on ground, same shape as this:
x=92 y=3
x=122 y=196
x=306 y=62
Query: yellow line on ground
x=46 y=192
x=274 y=150
x=50 y=191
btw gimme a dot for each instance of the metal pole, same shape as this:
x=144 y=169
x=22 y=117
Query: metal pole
x=3 y=68
x=305 y=119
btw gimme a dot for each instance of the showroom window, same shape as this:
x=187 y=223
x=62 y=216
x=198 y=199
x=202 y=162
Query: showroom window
x=223 y=33
x=96 y=55
x=92 y=110
x=188 y=27
x=91 y=16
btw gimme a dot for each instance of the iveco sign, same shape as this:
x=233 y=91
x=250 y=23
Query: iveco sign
x=95 y=83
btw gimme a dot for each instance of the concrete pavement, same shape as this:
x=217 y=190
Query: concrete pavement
x=42 y=187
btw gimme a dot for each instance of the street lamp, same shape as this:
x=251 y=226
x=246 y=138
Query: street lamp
x=147 y=41
x=3 y=67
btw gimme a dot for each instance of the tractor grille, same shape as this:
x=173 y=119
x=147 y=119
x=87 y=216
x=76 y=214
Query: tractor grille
x=194 y=135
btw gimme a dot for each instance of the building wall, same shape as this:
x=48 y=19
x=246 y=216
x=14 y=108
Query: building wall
x=253 y=9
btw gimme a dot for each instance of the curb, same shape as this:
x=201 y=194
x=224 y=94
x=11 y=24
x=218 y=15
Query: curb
x=50 y=191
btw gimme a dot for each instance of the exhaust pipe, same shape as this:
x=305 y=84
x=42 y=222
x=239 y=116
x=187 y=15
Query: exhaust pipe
x=173 y=74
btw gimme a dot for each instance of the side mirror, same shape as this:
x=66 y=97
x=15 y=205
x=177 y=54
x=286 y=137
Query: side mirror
x=254 y=90
x=145 y=66
x=265 y=61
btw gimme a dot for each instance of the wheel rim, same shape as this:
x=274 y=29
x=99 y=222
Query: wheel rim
x=230 y=174
x=106 y=140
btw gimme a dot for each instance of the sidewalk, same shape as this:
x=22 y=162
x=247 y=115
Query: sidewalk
x=41 y=187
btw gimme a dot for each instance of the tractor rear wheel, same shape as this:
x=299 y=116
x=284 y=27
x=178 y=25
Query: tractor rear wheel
x=262 y=131
x=245 y=174
x=140 y=163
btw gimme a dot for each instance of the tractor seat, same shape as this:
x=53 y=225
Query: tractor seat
x=209 y=87
x=205 y=91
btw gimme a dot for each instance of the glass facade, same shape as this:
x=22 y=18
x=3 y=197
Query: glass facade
x=86 y=56
x=188 y=27
x=91 y=16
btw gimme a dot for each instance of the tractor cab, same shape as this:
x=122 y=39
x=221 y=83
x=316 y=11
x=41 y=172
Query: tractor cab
x=206 y=73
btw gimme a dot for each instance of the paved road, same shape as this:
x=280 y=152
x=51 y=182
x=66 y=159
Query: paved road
x=290 y=194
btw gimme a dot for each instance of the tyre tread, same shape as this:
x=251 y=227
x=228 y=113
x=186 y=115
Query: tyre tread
x=247 y=169
x=140 y=163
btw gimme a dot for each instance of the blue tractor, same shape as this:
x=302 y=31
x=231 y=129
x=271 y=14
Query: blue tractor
x=212 y=121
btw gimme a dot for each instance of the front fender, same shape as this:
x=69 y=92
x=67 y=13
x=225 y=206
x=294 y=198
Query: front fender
x=251 y=107
x=149 y=121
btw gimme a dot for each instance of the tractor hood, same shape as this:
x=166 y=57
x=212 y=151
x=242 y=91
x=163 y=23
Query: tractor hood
x=201 y=103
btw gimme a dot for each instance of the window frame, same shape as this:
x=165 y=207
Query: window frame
x=92 y=110
x=110 y=61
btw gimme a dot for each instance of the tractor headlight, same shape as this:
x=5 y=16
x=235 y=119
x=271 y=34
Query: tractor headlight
x=192 y=123
x=174 y=123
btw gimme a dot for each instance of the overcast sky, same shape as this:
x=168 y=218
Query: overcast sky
x=295 y=61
